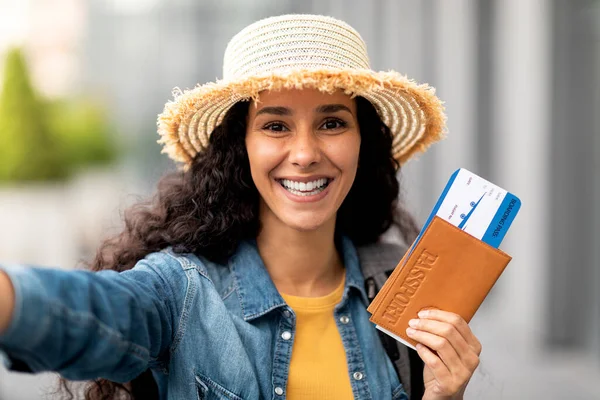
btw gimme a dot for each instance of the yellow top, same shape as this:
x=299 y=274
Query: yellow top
x=318 y=368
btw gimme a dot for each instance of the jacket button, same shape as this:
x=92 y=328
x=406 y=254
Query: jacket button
x=287 y=314
x=278 y=391
x=344 y=319
x=358 y=376
x=286 y=335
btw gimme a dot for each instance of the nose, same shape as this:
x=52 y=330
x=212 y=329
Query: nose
x=304 y=149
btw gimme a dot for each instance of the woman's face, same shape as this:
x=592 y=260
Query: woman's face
x=303 y=147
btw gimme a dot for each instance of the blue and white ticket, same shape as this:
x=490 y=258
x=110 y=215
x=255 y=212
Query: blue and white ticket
x=476 y=206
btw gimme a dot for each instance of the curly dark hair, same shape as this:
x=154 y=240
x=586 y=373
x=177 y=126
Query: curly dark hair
x=212 y=206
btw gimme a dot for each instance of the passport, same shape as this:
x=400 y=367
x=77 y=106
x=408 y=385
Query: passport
x=455 y=260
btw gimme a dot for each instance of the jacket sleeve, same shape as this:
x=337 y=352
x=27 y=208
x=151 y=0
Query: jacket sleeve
x=87 y=325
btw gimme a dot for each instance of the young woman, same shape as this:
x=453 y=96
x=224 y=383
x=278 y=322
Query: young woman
x=242 y=279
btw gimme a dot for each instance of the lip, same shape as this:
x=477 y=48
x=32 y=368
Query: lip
x=305 y=199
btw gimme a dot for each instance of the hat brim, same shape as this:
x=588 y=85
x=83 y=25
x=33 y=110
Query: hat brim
x=412 y=112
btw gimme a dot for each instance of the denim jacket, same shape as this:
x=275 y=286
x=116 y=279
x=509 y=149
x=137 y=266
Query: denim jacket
x=206 y=331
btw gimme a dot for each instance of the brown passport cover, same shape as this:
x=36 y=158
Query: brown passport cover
x=448 y=269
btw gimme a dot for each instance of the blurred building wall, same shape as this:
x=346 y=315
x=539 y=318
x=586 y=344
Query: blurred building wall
x=574 y=154
x=521 y=81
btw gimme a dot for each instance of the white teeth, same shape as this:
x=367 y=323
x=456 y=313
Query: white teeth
x=305 y=188
x=304 y=194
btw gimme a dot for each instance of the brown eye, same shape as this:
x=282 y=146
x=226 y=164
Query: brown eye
x=275 y=127
x=333 y=124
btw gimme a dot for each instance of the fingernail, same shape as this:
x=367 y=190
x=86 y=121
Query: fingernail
x=410 y=331
x=419 y=346
x=423 y=314
x=413 y=323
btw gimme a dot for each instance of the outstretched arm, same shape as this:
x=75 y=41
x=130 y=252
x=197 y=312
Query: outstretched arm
x=87 y=325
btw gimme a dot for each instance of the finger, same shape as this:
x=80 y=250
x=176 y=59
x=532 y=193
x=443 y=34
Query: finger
x=441 y=345
x=447 y=382
x=439 y=369
x=451 y=333
x=459 y=323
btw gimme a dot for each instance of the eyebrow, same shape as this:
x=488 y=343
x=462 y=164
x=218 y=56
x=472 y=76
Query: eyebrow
x=323 y=109
x=332 y=108
x=281 y=111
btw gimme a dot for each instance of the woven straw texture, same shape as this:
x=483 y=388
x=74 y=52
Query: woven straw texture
x=294 y=52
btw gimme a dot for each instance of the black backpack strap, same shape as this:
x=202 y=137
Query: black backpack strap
x=377 y=263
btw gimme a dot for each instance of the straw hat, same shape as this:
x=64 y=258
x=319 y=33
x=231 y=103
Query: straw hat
x=301 y=51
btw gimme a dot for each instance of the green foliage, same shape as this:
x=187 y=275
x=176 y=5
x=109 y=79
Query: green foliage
x=28 y=150
x=82 y=131
x=45 y=141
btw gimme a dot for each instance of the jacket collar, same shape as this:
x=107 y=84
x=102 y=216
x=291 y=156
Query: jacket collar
x=257 y=292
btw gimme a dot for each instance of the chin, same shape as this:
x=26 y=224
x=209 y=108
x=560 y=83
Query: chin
x=304 y=224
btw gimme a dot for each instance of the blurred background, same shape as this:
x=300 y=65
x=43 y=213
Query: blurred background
x=82 y=81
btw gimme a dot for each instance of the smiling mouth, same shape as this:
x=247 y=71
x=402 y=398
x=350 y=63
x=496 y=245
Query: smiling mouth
x=305 y=188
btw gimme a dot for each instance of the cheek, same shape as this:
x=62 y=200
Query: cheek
x=263 y=154
x=345 y=153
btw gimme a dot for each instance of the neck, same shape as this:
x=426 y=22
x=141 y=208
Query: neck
x=300 y=263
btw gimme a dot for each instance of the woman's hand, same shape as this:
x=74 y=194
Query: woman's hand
x=7 y=301
x=449 y=350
